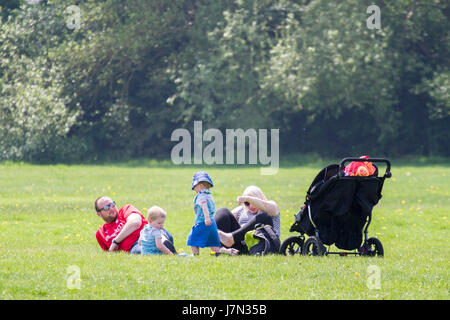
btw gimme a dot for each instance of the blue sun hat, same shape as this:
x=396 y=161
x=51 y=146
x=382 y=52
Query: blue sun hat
x=199 y=177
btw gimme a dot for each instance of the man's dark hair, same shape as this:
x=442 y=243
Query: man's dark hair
x=97 y=209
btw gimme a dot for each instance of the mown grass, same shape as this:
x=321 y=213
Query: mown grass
x=47 y=224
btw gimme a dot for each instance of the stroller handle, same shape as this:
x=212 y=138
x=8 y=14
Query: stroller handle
x=387 y=174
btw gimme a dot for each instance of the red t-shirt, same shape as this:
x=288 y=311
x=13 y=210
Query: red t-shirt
x=109 y=231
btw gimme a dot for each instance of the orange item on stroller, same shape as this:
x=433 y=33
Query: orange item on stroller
x=361 y=169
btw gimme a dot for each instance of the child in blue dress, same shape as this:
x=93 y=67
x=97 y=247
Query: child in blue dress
x=204 y=232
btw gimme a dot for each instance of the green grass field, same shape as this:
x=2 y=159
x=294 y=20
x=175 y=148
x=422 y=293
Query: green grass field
x=48 y=225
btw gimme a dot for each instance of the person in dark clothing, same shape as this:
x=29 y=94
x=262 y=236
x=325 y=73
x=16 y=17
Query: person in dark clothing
x=253 y=209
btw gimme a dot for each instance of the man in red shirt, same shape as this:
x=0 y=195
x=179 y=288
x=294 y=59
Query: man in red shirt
x=122 y=228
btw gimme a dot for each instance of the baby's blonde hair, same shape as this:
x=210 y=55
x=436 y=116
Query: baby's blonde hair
x=155 y=213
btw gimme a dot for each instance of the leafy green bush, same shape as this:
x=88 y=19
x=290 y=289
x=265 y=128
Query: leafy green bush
x=134 y=71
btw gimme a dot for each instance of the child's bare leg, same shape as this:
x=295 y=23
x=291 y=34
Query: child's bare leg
x=195 y=250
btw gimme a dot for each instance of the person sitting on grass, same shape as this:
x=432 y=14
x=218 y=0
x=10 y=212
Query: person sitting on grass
x=152 y=240
x=253 y=209
x=122 y=227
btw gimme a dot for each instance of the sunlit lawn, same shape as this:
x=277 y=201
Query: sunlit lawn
x=48 y=225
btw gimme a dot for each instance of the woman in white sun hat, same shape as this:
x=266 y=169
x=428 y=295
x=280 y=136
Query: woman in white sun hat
x=253 y=209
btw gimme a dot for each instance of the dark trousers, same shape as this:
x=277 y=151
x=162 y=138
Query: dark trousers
x=226 y=222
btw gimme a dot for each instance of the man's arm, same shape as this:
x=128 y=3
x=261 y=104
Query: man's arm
x=133 y=223
x=101 y=239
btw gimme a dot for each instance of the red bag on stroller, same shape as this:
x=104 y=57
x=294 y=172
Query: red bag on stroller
x=357 y=168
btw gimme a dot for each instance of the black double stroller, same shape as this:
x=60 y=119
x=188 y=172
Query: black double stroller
x=338 y=210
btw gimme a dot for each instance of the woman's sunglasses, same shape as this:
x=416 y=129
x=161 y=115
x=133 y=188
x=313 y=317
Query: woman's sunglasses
x=247 y=204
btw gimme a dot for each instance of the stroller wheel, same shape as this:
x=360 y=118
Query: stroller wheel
x=313 y=246
x=292 y=246
x=374 y=248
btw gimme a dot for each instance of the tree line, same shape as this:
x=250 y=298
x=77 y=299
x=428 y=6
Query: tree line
x=91 y=80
